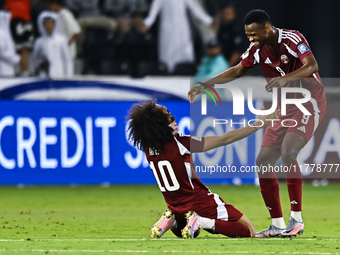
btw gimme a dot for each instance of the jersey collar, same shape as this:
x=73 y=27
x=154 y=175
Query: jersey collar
x=280 y=35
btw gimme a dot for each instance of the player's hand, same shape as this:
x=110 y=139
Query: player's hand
x=194 y=91
x=267 y=119
x=213 y=26
x=144 y=29
x=174 y=127
x=277 y=82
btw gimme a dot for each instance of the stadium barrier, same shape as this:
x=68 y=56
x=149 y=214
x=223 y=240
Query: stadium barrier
x=84 y=142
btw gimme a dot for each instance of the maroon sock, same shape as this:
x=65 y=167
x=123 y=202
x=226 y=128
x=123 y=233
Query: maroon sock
x=231 y=228
x=271 y=194
x=294 y=184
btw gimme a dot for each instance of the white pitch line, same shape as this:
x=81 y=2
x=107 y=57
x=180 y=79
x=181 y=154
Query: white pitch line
x=168 y=239
x=164 y=251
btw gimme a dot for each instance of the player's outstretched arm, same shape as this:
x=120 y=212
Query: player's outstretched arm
x=230 y=74
x=212 y=142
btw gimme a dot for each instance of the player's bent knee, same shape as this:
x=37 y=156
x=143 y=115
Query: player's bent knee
x=262 y=160
x=246 y=222
x=252 y=230
x=288 y=157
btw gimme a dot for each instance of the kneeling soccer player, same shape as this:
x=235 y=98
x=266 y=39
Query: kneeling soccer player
x=191 y=205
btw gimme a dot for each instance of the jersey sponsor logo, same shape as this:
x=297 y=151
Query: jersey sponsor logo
x=302 y=129
x=267 y=61
x=284 y=59
x=246 y=54
x=303 y=48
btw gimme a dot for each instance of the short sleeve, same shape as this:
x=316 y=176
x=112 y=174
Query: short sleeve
x=192 y=143
x=302 y=47
x=248 y=57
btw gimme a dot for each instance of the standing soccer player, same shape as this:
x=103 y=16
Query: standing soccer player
x=191 y=205
x=286 y=60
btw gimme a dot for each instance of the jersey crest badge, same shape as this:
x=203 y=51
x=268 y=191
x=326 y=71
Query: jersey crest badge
x=284 y=59
x=303 y=48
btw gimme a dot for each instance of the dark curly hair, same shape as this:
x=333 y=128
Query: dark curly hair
x=149 y=126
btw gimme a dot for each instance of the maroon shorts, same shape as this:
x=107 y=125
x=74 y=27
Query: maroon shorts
x=296 y=122
x=208 y=205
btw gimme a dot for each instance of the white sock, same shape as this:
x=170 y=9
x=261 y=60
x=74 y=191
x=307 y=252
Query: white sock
x=206 y=223
x=279 y=222
x=296 y=216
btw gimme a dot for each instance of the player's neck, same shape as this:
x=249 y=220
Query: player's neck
x=273 y=38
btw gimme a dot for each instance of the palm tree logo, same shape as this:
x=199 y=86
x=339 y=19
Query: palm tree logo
x=209 y=93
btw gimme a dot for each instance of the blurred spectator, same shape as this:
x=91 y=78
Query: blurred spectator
x=213 y=63
x=8 y=56
x=207 y=33
x=38 y=6
x=89 y=15
x=84 y=8
x=68 y=26
x=51 y=55
x=22 y=30
x=175 y=42
x=118 y=8
x=129 y=13
x=230 y=34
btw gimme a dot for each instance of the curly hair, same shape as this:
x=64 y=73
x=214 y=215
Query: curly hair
x=149 y=126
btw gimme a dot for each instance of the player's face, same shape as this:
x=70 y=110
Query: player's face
x=166 y=112
x=256 y=34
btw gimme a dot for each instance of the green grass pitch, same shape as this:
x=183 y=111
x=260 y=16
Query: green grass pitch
x=117 y=219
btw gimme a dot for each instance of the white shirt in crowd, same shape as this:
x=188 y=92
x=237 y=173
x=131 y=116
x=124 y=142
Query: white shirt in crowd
x=68 y=27
x=53 y=49
x=175 y=42
x=8 y=56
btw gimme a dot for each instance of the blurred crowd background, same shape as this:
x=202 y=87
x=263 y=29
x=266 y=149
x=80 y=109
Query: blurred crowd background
x=50 y=38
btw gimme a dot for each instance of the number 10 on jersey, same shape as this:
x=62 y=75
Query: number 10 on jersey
x=162 y=165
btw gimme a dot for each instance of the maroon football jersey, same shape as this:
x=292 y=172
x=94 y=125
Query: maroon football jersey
x=286 y=58
x=173 y=171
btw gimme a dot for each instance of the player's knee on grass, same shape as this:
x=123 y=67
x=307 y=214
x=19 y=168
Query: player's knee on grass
x=177 y=232
x=252 y=230
x=246 y=222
